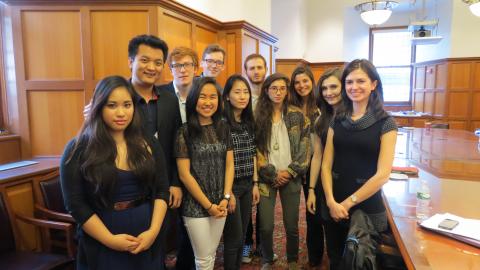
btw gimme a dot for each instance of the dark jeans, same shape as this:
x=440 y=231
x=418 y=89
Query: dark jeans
x=315 y=235
x=236 y=224
x=185 y=256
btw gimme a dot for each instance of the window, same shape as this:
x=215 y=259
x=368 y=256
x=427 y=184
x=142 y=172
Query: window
x=391 y=51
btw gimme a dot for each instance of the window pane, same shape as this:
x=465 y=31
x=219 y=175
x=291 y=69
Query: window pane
x=392 y=48
x=396 y=84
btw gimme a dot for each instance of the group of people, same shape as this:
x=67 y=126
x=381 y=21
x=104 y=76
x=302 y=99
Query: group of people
x=215 y=152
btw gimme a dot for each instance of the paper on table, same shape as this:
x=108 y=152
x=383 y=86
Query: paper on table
x=466 y=227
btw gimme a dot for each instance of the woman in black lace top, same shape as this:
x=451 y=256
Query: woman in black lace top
x=205 y=166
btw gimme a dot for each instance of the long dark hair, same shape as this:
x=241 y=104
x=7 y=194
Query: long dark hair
x=264 y=112
x=247 y=113
x=375 y=101
x=97 y=150
x=326 y=110
x=295 y=98
x=194 y=127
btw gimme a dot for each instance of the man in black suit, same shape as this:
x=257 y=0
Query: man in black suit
x=183 y=63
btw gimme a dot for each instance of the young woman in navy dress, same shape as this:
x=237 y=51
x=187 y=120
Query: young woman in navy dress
x=114 y=184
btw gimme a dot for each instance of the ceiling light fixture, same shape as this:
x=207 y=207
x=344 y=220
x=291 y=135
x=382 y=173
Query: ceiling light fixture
x=474 y=6
x=376 y=12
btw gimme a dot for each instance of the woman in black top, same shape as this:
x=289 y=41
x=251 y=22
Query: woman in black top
x=237 y=100
x=205 y=166
x=358 y=154
x=114 y=184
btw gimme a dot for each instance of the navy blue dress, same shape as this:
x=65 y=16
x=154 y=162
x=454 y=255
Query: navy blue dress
x=132 y=221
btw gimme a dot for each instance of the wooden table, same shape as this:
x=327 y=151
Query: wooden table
x=422 y=249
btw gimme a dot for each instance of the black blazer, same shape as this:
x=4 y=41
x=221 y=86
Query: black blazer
x=168 y=122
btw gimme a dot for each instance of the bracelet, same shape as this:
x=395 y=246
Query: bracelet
x=208 y=209
x=311 y=188
x=255 y=182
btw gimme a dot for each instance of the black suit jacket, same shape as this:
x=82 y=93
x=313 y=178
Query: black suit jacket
x=168 y=122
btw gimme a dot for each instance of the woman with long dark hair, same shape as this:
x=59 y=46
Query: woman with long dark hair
x=328 y=99
x=283 y=153
x=237 y=100
x=205 y=166
x=114 y=184
x=358 y=154
x=302 y=95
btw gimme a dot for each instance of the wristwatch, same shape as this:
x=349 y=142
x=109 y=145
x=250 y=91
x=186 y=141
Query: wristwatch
x=227 y=197
x=353 y=198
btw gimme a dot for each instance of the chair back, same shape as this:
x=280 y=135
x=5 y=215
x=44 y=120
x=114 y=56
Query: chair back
x=7 y=244
x=51 y=192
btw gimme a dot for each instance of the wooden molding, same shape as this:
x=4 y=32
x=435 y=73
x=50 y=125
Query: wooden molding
x=296 y=60
x=442 y=60
x=251 y=28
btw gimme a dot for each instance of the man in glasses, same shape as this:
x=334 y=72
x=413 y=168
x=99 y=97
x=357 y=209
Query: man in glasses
x=183 y=63
x=213 y=61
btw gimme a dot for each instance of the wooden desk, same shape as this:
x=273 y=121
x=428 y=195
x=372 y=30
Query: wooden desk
x=18 y=185
x=406 y=120
x=422 y=249
x=446 y=153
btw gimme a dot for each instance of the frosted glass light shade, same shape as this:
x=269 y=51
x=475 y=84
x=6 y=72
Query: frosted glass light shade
x=376 y=17
x=475 y=9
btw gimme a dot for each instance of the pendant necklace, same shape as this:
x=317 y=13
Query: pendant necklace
x=275 y=128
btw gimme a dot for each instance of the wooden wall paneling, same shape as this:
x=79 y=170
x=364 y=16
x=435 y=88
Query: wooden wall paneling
x=429 y=102
x=249 y=45
x=89 y=81
x=55 y=118
x=234 y=53
x=439 y=108
x=441 y=76
x=54 y=54
x=20 y=197
x=453 y=124
x=10 y=148
x=430 y=76
x=3 y=90
x=476 y=76
x=266 y=50
x=420 y=77
x=457 y=107
x=18 y=91
x=474 y=125
x=418 y=97
x=459 y=75
x=111 y=30
x=177 y=31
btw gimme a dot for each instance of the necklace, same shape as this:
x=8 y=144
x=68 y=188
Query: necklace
x=276 y=129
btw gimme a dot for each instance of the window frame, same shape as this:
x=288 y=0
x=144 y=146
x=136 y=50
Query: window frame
x=412 y=61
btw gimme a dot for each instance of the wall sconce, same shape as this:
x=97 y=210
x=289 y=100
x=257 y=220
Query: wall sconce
x=376 y=12
x=474 y=6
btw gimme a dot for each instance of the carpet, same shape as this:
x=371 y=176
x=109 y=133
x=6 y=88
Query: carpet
x=279 y=245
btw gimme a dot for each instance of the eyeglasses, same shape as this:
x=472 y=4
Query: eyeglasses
x=178 y=67
x=211 y=62
x=277 y=89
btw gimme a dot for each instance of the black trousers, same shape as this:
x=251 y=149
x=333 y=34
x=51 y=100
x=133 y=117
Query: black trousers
x=315 y=231
x=236 y=224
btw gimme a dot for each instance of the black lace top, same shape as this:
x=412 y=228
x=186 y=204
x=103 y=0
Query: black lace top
x=207 y=165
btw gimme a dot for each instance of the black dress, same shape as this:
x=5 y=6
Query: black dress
x=132 y=221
